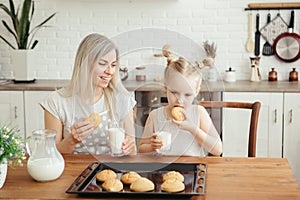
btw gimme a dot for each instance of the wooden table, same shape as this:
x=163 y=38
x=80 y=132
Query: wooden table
x=227 y=178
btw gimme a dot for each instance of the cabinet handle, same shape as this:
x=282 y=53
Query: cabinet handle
x=291 y=116
x=275 y=117
x=16 y=112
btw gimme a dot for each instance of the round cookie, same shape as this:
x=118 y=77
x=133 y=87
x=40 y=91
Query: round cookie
x=105 y=175
x=172 y=185
x=94 y=118
x=142 y=185
x=177 y=113
x=130 y=177
x=112 y=185
x=173 y=175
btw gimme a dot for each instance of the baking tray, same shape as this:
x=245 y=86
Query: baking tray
x=194 y=179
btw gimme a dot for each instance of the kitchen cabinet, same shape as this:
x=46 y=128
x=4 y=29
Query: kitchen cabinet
x=34 y=114
x=12 y=109
x=291 y=139
x=235 y=125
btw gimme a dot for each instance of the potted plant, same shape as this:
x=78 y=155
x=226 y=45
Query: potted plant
x=23 y=35
x=12 y=150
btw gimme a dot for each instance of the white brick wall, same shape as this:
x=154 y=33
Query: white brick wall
x=220 y=21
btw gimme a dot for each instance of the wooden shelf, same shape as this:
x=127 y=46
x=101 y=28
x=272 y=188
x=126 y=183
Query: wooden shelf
x=273 y=6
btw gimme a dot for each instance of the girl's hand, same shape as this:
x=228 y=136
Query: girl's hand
x=81 y=130
x=155 y=142
x=129 y=146
x=186 y=124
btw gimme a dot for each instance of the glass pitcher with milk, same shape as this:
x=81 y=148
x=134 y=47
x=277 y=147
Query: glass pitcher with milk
x=45 y=162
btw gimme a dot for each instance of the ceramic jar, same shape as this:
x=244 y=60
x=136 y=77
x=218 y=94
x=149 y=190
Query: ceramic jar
x=230 y=75
x=273 y=75
x=293 y=75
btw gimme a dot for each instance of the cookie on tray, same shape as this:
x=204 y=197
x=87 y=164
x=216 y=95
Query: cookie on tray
x=173 y=175
x=130 y=177
x=106 y=174
x=142 y=185
x=172 y=185
x=112 y=185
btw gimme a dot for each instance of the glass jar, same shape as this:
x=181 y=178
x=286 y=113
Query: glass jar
x=140 y=74
x=45 y=162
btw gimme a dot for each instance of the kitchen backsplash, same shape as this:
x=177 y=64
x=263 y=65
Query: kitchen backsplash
x=141 y=27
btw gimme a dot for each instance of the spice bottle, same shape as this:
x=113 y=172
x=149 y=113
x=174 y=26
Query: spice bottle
x=293 y=75
x=273 y=75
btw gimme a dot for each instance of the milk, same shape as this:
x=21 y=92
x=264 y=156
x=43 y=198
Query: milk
x=165 y=137
x=44 y=169
x=116 y=138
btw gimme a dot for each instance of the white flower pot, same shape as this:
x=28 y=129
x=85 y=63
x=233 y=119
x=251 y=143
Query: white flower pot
x=3 y=172
x=23 y=65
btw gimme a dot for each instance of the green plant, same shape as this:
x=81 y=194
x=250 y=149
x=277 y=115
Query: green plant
x=21 y=24
x=12 y=147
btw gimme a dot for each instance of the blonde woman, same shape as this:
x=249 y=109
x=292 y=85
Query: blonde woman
x=95 y=87
x=195 y=135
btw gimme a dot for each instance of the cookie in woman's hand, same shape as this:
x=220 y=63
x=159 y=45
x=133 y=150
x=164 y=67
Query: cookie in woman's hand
x=177 y=113
x=94 y=118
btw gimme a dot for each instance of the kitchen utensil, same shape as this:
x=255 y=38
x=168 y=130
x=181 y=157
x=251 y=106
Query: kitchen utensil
x=250 y=42
x=287 y=45
x=273 y=29
x=257 y=37
x=267 y=48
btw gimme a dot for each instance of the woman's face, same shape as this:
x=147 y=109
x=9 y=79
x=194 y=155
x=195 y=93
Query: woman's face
x=104 y=69
x=181 y=90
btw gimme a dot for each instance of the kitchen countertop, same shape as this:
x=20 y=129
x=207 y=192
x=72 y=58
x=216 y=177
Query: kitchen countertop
x=131 y=85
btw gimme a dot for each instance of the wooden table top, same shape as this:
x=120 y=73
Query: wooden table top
x=227 y=178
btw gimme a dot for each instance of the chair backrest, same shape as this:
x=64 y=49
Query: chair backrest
x=254 y=107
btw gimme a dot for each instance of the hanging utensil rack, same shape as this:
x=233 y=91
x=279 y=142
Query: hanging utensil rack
x=273 y=6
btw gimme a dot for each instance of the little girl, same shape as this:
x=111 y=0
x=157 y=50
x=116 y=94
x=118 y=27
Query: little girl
x=196 y=134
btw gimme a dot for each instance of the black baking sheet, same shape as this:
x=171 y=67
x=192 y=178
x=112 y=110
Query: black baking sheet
x=194 y=179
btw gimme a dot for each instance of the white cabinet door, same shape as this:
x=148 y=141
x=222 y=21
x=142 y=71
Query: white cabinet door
x=291 y=149
x=34 y=114
x=12 y=109
x=269 y=133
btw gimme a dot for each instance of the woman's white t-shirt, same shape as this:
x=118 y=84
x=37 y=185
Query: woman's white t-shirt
x=70 y=110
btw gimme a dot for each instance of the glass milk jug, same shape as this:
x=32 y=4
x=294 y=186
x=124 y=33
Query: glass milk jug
x=45 y=162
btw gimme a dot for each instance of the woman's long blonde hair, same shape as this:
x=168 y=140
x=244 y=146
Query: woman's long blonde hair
x=92 y=48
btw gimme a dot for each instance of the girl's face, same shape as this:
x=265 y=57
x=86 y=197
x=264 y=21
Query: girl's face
x=181 y=90
x=104 y=69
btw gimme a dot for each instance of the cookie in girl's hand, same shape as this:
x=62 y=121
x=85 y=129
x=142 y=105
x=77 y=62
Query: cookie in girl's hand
x=94 y=118
x=177 y=113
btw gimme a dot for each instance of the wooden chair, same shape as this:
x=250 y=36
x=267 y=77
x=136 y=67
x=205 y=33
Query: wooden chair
x=255 y=108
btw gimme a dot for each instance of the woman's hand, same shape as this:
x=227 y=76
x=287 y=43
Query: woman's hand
x=155 y=142
x=81 y=130
x=129 y=146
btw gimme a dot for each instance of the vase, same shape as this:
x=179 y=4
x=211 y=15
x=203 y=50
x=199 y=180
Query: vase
x=3 y=172
x=23 y=62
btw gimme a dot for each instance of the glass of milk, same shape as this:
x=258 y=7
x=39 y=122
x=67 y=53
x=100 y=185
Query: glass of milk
x=45 y=162
x=116 y=135
x=165 y=136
